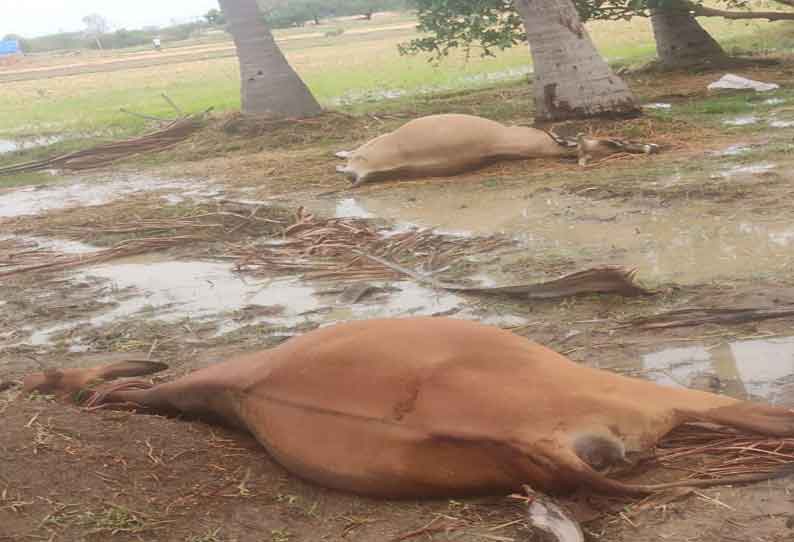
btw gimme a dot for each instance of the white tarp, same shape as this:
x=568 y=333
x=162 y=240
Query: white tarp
x=731 y=81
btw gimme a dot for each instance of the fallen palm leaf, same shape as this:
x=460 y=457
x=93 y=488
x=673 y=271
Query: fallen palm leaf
x=20 y=255
x=732 y=453
x=103 y=155
x=606 y=279
x=125 y=248
x=706 y=451
x=698 y=316
x=331 y=249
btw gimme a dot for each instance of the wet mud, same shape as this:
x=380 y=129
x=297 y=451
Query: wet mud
x=718 y=232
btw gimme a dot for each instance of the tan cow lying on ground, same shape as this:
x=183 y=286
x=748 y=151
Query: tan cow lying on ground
x=424 y=407
x=443 y=145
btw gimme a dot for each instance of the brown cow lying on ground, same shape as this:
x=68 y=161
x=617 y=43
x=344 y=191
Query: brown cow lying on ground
x=424 y=407
x=443 y=145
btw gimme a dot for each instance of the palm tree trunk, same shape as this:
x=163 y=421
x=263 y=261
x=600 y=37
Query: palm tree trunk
x=268 y=84
x=572 y=80
x=681 y=41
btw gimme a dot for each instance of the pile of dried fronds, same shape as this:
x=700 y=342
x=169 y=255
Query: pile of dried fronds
x=103 y=155
x=719 y=315
x=19 y=255
x=17 y=252
x=331 y=248
x=30 y=260
x=716 y=452
x=208 y=222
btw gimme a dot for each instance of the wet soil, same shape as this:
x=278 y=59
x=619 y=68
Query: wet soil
x=707 y=223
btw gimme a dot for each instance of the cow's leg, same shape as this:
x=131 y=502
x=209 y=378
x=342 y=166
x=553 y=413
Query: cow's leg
x=63 y=382
x=754 y=417
x=199 y=394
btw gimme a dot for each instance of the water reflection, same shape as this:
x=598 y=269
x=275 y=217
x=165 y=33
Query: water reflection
x=13 y=145
x=351 y=208
x=688 y=244
x=744 y=369
x=36 y=199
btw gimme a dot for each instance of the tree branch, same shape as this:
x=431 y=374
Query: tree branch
x=703 y=11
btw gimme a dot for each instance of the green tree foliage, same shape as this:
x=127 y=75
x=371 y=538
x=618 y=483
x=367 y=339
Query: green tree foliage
x=119 y=39
x=214 y=17
x=125 y=38
x=449 y=24
x=490 y=25
x=287 y=13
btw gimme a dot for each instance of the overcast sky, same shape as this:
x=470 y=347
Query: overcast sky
x=37 y=17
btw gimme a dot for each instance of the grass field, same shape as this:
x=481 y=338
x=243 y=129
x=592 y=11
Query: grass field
x=351 y=70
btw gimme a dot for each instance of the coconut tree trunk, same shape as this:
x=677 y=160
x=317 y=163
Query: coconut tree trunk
x=268 y=84
x=681 y=41
x=572 y=80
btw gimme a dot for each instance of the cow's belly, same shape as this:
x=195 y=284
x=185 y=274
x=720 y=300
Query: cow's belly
x=386 y=458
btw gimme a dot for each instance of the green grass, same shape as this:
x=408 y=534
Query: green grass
x=716 y=110
x=39 y=153
x=355 y=69
x=24 y=179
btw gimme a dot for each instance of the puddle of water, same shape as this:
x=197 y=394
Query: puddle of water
x=733 y=150
x=687 y=245
x=751 y=169
x=175 y=289
x=741 y=121
x=484 y=280
x=657 y=105
x=56 y=245
x=350 y=208
x=173 y=199
x=172 y=290
x=411 y=300
x=781 y=123
x=196 y=194
x=36 y=199
x=415 y=300
x=750 y=368
x=13 y=145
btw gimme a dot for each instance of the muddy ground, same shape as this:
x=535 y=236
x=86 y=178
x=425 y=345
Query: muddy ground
x=708 y=223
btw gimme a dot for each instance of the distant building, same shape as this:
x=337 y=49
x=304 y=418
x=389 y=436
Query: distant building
x=9 y=47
